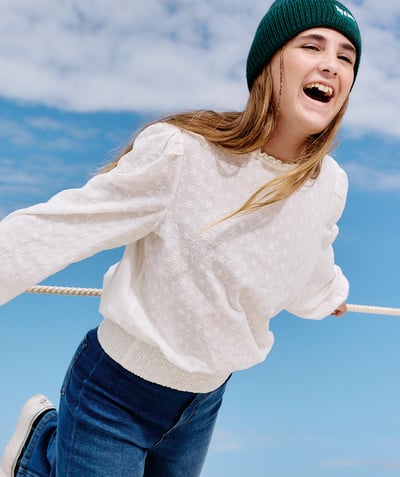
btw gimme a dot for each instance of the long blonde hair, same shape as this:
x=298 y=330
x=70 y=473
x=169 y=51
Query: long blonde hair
x=249 y=130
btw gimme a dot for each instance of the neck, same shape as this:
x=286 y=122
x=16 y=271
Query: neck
x=283 y=147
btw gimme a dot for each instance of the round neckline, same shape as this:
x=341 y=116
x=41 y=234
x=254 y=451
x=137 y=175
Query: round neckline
x=273 y=163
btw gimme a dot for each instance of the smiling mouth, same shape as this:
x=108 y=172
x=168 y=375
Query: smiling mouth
x=319 y=92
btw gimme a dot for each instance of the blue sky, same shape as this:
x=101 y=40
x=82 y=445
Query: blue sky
x=75 y=82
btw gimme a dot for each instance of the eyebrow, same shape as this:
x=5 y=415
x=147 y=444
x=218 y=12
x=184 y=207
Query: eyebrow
x=316 y=37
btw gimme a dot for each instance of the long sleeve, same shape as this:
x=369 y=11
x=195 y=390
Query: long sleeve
x=185 y=306
x=111 y=210
x=327 y=287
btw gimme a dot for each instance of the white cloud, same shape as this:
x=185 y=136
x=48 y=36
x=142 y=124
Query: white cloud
x=140 y=55
x=375 y=101
x=43 y=132
x=15 y=133
x=164 y=55
x=35 y=180
x=35 y=162
x=369 y=177
x=382 y=455
x=362 y=463
x=226 y=439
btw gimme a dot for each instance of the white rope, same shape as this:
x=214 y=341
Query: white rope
x=374 y=310
x=51 y=290
x=72 y=291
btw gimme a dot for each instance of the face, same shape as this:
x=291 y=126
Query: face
x=317 y=75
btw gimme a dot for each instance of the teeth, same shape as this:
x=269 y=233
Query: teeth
x=327 y=90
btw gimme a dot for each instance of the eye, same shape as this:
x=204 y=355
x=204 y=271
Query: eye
x=346 y=58
x=310 y=47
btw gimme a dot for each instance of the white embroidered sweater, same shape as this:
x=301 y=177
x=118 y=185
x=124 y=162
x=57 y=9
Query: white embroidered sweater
x=187 y=305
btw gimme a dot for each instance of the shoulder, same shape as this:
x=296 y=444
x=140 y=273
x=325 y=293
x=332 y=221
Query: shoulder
x=157 y=146
x=158 y=140
x=338 y=180
x=158 y=133
x=336 y=174
x=162 y=134
x=334 y=169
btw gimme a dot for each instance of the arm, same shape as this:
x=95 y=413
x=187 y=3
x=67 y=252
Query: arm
x=111 y=210
x=326 y=290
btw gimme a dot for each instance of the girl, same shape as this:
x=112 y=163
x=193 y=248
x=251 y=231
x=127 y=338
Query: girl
x=227 y=218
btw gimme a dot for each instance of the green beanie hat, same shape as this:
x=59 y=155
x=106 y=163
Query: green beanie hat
x=287 y=18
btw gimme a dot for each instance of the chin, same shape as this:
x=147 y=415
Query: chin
x=314 y=128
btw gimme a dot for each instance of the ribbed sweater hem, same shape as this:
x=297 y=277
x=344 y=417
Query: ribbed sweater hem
x=149 y=363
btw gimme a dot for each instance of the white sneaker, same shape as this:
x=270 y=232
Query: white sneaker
x=30 y=416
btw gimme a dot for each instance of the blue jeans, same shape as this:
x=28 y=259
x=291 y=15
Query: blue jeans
x=113 y=423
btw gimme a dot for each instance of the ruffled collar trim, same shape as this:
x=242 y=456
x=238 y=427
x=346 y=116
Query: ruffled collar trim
x=272 y=163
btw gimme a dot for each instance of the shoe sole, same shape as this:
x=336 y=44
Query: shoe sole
x=31 y=414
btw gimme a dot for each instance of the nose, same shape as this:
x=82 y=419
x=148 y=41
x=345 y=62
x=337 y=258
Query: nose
x=329 y=69
x=329 y=64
